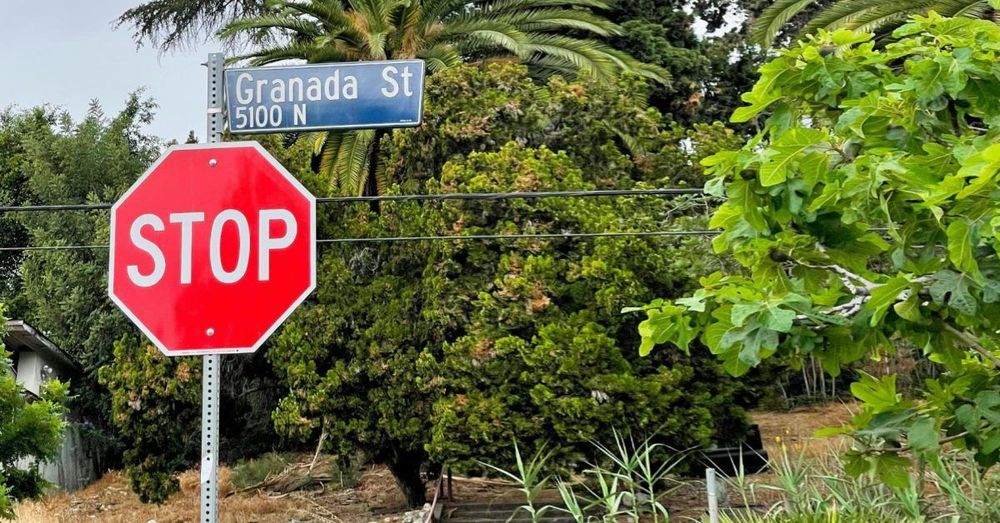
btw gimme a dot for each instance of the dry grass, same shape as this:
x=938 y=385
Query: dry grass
x=110 y=500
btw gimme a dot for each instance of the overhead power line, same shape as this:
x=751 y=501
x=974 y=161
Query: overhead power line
x=540 y=236
x=520 y=195
x=52 y=248
x=523 y=195
x=394 y=239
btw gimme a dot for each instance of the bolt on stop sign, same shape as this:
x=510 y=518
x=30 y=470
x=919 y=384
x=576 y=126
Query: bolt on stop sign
x=212 y=248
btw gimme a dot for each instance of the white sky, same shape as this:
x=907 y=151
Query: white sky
x=66 y=53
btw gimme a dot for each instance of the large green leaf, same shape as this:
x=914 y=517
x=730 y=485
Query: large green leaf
x=785 y=152
x=893 y=470
x=952 y=289
x=923 y=435
x=878 y=394
x=962 y=240
x=884 y=296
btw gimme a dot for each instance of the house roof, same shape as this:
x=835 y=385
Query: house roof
x=22 y=335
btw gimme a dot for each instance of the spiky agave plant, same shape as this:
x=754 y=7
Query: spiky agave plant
x=549 y=36
x=871 y=16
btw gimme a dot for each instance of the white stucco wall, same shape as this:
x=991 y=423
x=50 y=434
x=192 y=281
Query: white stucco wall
x=29 y=371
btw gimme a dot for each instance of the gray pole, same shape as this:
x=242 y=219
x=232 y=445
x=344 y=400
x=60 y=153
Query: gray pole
x=211 y=368
x=713 y=500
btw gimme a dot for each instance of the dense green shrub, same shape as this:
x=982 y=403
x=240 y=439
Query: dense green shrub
x=449 y=349
x=156 y=407
x=545 y=354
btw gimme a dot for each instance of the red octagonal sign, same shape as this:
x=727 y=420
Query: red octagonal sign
x=212 y=248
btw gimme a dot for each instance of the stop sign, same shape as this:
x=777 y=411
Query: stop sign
x=212 y=248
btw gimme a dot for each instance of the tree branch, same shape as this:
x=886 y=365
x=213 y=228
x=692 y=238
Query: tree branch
x=849 y=279
x=856 y=284
x=942 y=441
x=969 y=339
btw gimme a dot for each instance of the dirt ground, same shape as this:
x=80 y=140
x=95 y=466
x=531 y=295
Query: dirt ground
x=375 y=498
x=795 y=429
x=110 y=500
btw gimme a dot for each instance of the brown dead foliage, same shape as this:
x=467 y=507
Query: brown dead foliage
x=109 y=500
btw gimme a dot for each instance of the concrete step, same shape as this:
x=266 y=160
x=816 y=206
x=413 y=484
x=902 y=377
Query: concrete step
x=498 y=513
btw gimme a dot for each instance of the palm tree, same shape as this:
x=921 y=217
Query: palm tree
x=547 y=35
x=874 y=16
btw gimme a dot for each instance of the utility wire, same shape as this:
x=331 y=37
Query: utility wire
x=554 y=235
x=408 y=198
x=510 y=195
x=52 y=248
x=68 y=207
x=393 y=239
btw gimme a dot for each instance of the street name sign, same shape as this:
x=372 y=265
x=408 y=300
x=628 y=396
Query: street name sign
x=212 y=248
x=351 y=95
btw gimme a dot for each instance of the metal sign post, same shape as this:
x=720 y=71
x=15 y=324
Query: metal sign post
x=211 y=365
x=196 y=284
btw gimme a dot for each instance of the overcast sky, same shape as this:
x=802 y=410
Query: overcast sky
x=66 y=53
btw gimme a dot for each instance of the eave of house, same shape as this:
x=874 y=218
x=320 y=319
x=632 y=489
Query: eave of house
x=21 y=334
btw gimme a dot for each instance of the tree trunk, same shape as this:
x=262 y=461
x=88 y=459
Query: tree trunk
x=405 y=467
x=371 y=180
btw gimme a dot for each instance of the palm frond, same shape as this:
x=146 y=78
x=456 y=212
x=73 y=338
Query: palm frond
x=245 y=25
x=853 y=13
x=437 y=10
x=767 y=26
x=375 y=45
x=343 y=158
x=440 y=57
x=874 y=19
x=862 y=15
x=331 y=15
x=590 y=58
x=352 y=170
x=482 y=34
x=559 y=20
x=326 y=147
x=376 y=12
x=629 y=64
x=520 y=5
x=963 y=8
x=293 y=51
x=877 y=20
x=407 y=40
x=337 y=51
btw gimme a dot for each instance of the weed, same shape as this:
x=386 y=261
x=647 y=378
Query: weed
x=529 y=479
x=819 y=491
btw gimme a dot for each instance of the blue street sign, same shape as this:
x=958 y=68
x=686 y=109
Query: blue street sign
x=353 y=95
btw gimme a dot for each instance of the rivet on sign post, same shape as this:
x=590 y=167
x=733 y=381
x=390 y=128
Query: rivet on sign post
x=213 y=162
x=210 y=332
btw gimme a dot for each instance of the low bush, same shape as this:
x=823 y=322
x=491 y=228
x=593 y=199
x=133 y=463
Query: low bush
x=951 y=489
